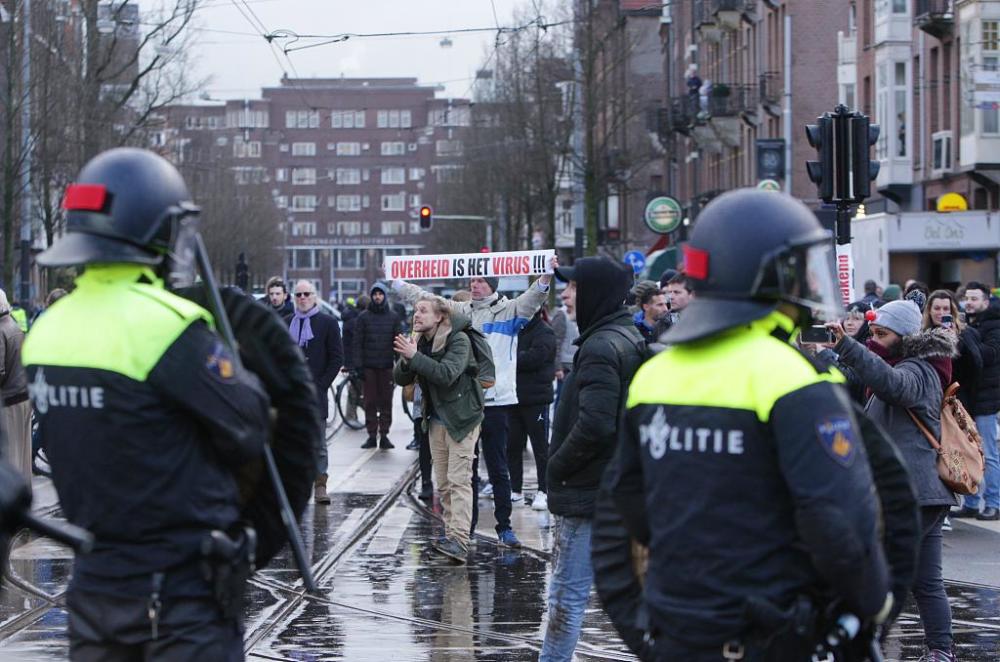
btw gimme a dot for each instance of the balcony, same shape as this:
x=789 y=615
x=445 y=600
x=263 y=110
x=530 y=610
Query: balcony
x=770 y=90
x=682 y=114
x=729 y=14
x=935 y=17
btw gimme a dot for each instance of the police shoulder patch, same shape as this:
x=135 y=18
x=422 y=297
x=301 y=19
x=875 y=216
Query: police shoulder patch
x=220 y=362
x=838 y=438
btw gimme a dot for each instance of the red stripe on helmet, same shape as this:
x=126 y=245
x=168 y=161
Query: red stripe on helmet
x=695 y=262
x=85 y=197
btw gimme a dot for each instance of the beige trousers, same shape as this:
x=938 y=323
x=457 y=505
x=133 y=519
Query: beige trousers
x=17 y=428
x=453 y=474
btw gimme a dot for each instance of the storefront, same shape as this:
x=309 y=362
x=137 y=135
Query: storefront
x=940 y=249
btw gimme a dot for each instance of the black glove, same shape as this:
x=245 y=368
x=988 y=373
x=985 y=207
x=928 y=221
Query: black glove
x=267 y=350
x=15 y=499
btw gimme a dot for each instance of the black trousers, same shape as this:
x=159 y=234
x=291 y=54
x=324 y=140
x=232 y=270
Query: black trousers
x=528 y=422
x=112 y=629
x=426 y=465
x=378 y=400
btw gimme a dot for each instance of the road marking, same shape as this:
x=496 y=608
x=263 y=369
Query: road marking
x=350 y=472
x=386 y=540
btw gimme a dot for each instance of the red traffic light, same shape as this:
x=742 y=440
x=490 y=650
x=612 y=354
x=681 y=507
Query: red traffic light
x=425 y=212
x=426 y=218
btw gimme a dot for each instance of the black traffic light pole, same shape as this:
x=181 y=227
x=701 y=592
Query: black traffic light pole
x=843 y=174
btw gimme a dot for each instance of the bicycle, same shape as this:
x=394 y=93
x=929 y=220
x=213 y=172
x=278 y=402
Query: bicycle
x=342 y=395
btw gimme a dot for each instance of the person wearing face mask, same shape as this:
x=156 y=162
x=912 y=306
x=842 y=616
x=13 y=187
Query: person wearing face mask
x=856 y=326
x=906 y=370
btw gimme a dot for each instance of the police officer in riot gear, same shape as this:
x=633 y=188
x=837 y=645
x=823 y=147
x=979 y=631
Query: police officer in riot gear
x=741 y=465
x=153 y=431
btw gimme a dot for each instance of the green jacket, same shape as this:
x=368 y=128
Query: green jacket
x=445 y=369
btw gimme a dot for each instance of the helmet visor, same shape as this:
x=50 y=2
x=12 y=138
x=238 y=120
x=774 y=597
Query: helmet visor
x=805 y=276
x=182 y=257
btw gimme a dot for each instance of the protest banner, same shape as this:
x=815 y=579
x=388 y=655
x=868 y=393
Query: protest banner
x=469 y=265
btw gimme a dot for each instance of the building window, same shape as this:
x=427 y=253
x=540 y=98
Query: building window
x=303 y=149
x=351 y=259
x=246 y=150
x=347 y=228
x=394 y=202
x=393 y=149
x=252 y=175
x=393 y=175
x=302 y=119
x=347 y=119
x=450 y=117
x=991 y=35
x=303 y=176
x=393 y=119
x=303 y=203
x=281 y=201
x=449 y=148
x=281 y=174
x=393 y=227
x=448 y=174
x=348 y=149
x=414 y=201
x=900 y=6
x=991 y=62
x=303 y=258
x=304 y=229
x=348 y=176
x=348 y=203
x=416 y=174
x=901 y=94
x=248 y=119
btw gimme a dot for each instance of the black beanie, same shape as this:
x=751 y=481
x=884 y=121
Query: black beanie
x=494 y=283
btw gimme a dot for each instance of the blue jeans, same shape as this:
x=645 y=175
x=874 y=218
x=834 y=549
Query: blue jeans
x=990 y=489
x=569 y=590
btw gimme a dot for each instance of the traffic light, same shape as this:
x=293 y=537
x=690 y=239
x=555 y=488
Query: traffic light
x=820 y=172
x=426 y=218
x=865 y=135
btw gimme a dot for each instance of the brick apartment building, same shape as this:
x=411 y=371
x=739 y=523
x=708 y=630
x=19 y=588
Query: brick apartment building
x=927 y=72
x=348 y=161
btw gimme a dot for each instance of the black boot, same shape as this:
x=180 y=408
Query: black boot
x=426 y=492
x=384 y=443
x=369 y=443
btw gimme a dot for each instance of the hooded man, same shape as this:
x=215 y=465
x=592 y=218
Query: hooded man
x=500 y=319
x=374 y=332
x=585 y=433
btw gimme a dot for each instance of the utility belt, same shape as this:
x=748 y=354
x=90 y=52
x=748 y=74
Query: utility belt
x=226 y=563
x=804 y=632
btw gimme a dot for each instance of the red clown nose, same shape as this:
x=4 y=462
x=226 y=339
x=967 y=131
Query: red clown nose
x=870 y=316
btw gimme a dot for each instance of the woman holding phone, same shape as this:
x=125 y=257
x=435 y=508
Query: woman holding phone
x=942 y=312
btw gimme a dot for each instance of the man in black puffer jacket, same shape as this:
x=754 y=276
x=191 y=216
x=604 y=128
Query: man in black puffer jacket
x=529 y=418
x=374 y=332
x=985 y=319
x=585 y=433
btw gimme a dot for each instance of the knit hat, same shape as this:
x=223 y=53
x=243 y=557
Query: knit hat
x=494 y=283
x=917 y=297
x=892 y=292
x=902 y=317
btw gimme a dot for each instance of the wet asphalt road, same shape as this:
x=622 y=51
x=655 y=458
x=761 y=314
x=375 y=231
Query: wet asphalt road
x=385 y=596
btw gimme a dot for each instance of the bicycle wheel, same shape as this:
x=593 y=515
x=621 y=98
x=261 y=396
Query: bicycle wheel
x=352 y=413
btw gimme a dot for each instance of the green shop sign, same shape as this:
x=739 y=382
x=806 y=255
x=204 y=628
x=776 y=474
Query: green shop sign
x=663 y=215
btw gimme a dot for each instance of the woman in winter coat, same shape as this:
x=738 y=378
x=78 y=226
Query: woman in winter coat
x=856 y=326
x=906 y=371
x=967 y=367
x=529 y=418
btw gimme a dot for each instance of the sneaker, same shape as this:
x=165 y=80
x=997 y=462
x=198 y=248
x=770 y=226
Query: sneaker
x=516 y=497
x=486 y=490
x=989 y=514
x=508 y=539
x=937 y=655
x=453 y=550
x=426 y=492
x=541 y=502
x=385 y=444
x=369 y=443
x=946 y=524
x=414 y=445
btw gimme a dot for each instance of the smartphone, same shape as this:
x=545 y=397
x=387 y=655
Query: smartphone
x=947 y=321
x=818 y=334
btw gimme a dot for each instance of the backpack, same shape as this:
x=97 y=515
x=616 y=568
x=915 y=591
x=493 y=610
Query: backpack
x=960 y=451
x=483 y=370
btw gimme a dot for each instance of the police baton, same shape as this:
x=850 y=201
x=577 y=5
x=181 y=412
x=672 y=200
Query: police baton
x=226 y=331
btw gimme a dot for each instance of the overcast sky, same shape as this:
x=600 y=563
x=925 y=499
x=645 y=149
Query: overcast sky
x=240 y=64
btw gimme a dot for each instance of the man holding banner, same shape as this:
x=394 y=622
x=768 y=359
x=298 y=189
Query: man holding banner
x=500 y=319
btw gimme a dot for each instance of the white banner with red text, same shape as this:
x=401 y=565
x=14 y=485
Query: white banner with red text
x=469 y=265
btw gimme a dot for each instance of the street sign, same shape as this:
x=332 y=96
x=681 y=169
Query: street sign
x=663 y=214
x=636 y=259
x=769 y=185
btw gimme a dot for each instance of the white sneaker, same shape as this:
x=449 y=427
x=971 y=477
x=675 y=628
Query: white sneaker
x=486 y=490
x=516 y=496
x=946 y=525
x=541 y=502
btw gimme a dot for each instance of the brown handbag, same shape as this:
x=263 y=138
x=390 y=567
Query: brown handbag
x=960 y=452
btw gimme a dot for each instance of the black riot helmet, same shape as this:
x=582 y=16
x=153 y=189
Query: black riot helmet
x=750 y=251
x=127 y=205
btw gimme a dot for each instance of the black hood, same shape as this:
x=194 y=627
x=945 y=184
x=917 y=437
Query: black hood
x=601 y=288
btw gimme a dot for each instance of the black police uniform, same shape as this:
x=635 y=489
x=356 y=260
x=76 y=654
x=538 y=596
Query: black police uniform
x=144 y=416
